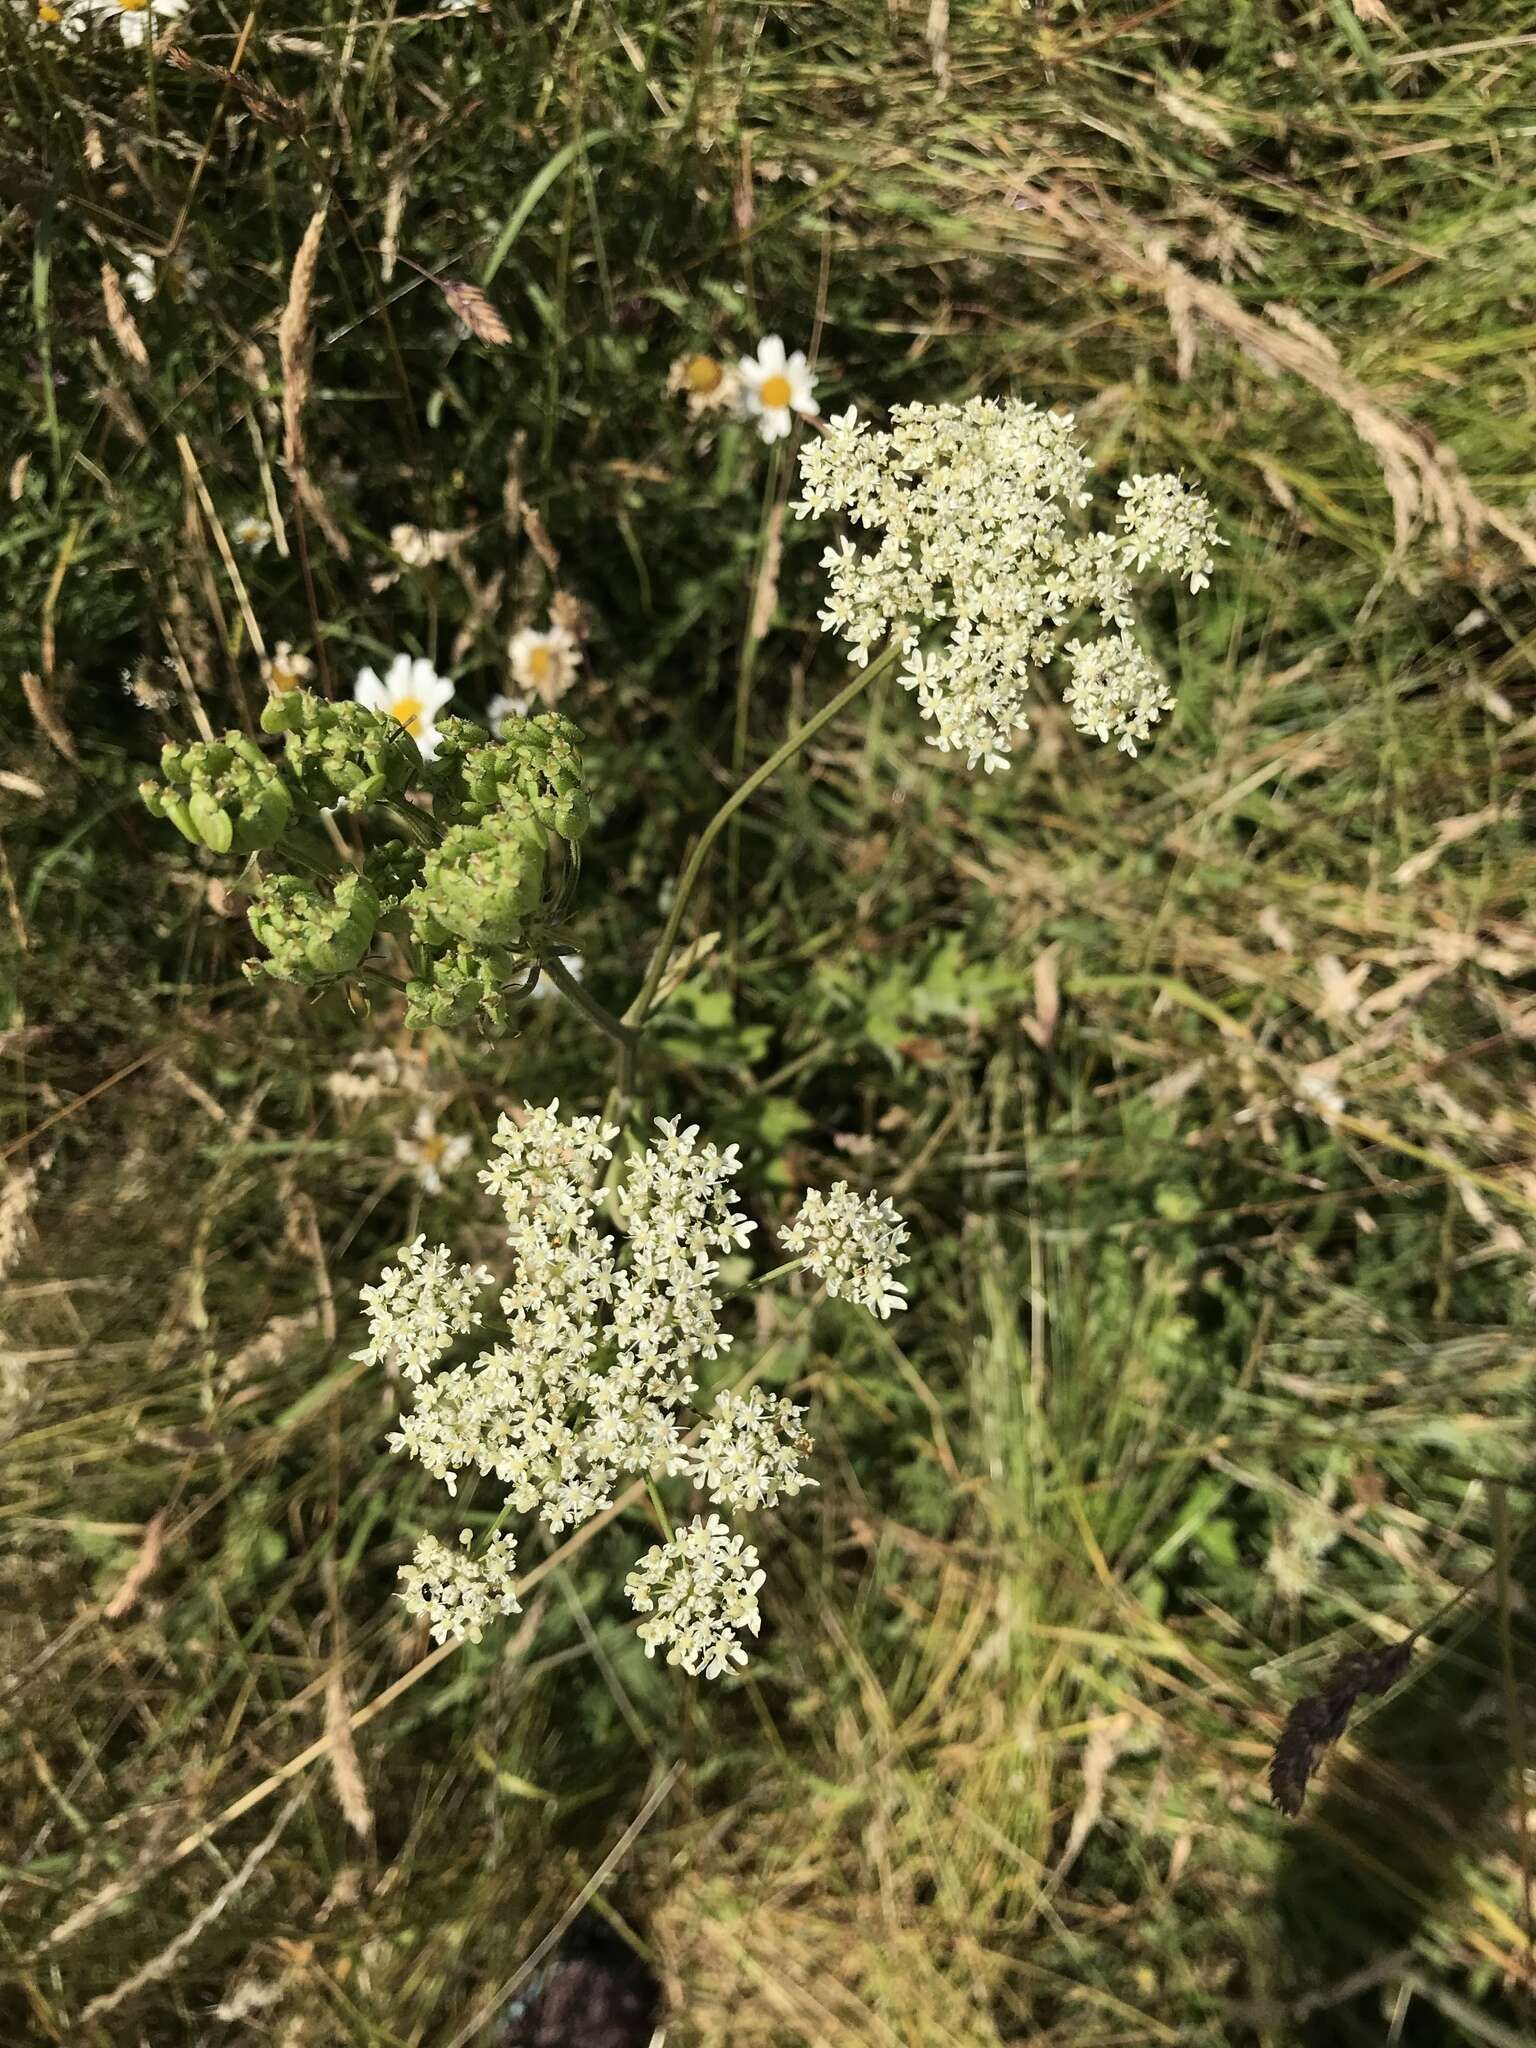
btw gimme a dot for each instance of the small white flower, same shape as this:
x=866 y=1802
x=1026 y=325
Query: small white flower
x=544 y=663
x=283 y=670
x=418 y=545
x=429 y=1153
x=251 y=532
x=699 y=1590
x=501 y=708
x=416 y=1309
x=458 y=1592
x=144 y=276
x=63 y=17
x=412 y=691
x=774 y=386
x=853 y=1247
x=707 y=385
x=139 y=277
x=134 y=17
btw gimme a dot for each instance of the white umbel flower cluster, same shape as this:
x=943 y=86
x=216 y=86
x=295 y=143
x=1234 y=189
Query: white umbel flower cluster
x=420 y=1307
x=591 y=1378
x=853 y=1246
x=983 y=561
x=461 y=1594
x=697 y=1593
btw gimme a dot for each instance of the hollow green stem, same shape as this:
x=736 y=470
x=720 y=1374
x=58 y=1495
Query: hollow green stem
x=615 y=1027
x=636 y=1014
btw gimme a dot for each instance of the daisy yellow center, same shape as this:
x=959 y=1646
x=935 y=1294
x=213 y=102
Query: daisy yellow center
x=133 y=6
x=408 y=711
x=47 y=13
x=540 y=662
x=776 y=393
x=432 y=1149
x=283 y=679
x=703 y=374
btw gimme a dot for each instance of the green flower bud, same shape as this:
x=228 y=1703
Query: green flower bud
x=535 y=767
x=455 y=984
x=222 y=794
x=311 y=934
x=342 y=753
x=482 y=882
x=393 y=871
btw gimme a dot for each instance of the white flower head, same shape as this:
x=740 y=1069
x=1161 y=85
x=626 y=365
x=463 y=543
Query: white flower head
x=134 y=18
x=698 y=1593
x=749 y=1453
x=501 y=708
x=251 y=532
x=411 y=691
x=544 y=663
x=283 y=670
x=418 y=1308
x=429 y=1153
x=609 y=1309
x=852 y=1246
x=775 y=386
x=980 y=561
x=459 y=1593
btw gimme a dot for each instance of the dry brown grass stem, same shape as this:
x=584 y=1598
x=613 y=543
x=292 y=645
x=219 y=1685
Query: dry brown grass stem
x=296 y=350
x=1423 y=476
x=124 y=330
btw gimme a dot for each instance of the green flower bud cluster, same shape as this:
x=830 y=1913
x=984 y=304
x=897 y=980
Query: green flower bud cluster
x=468 y=886
x=342 y=753
x=461 y=980
x=535 y=766
x=313 y=931
x=481 y=882
x=222 y=794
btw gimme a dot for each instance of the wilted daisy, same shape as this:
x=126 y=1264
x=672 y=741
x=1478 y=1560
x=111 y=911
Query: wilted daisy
x=982 y=562
x=544 y=663
x=502 y=707
x=135 y=18
x=411 y=691
x=593 y=1377
x=283 y=670
x=144 y=276
x=774 y=386
x=429 y=1153
x=418 y=545
x=251 y=532
x=708 y=386
x=139 y=276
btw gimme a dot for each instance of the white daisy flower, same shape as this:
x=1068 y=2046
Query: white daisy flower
x=775 y=385
x=283 y=670
x=134 y=17
x=544 y=663
x=501 y=708
x=251 y=533
x=65 y=17
x=430 y=1154
x=411 y=691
